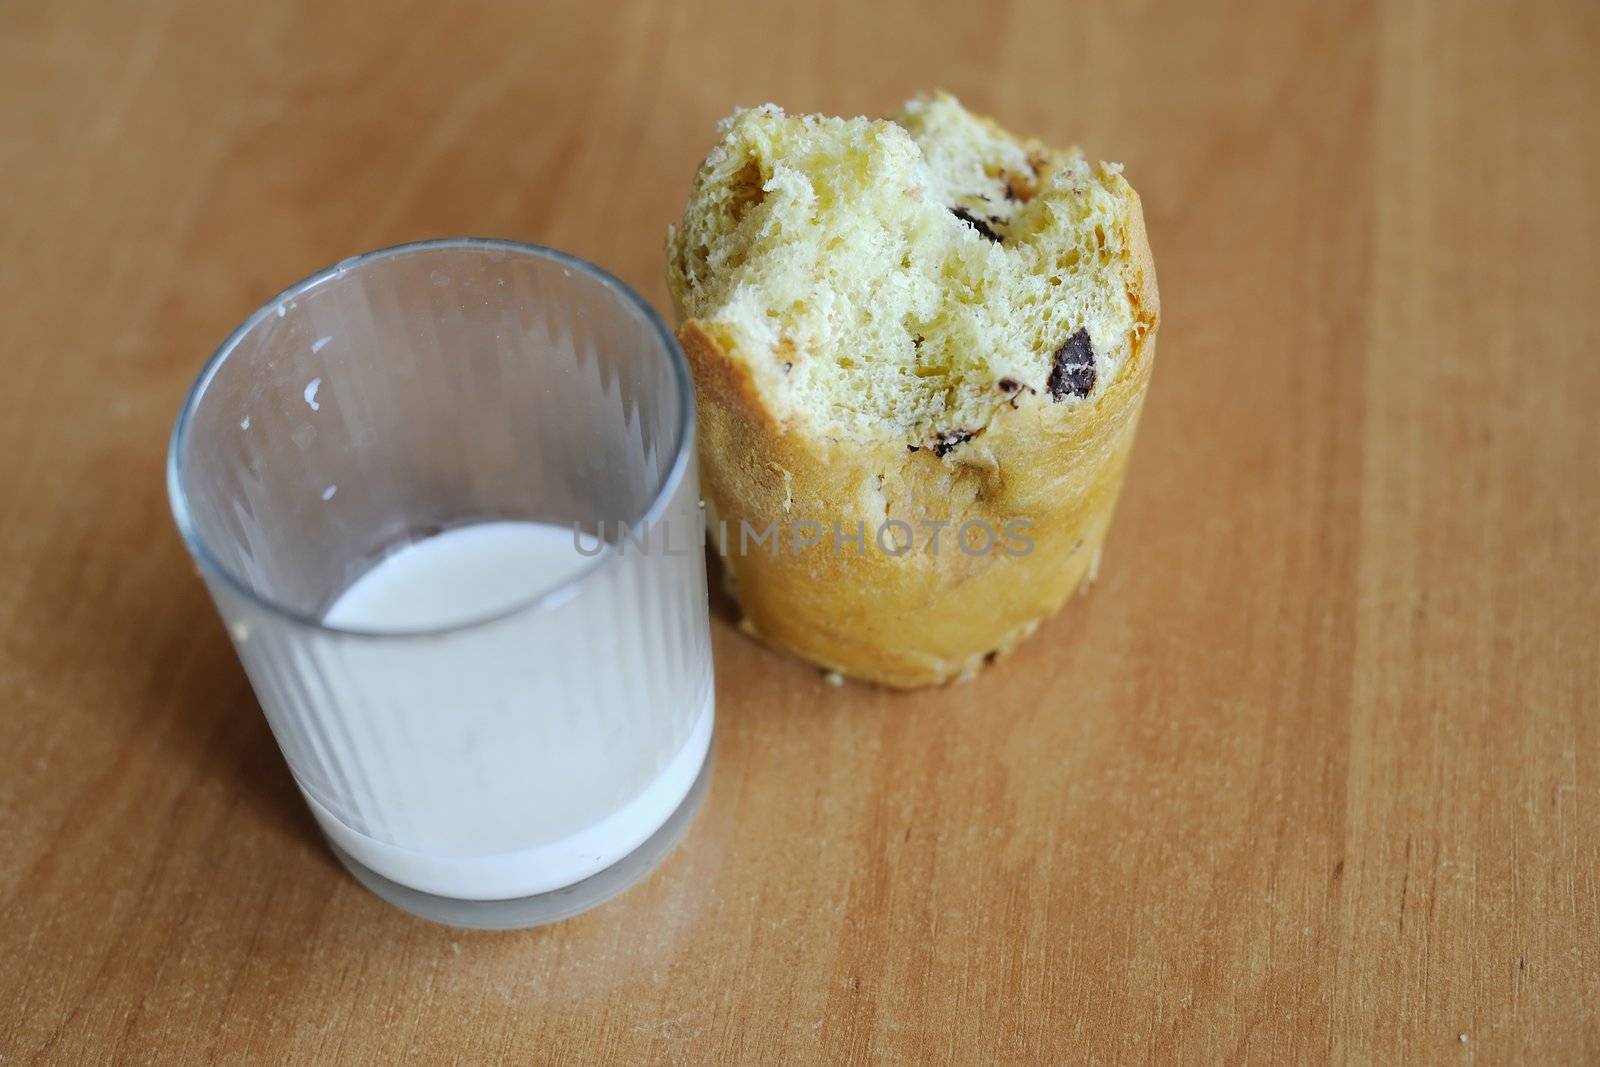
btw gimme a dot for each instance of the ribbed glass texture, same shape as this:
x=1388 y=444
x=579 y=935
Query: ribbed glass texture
x=406 y=393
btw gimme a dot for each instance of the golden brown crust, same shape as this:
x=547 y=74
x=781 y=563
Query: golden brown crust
x=1141 y=273
x=925 y=617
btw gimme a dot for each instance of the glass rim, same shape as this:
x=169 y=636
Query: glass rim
x=547 y=597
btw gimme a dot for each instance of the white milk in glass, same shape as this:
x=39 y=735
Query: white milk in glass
x=535 y=768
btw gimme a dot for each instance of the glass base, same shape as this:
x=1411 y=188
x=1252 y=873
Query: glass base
x=541 y=908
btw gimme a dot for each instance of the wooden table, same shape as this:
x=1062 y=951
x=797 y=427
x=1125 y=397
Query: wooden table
x=1311 y=774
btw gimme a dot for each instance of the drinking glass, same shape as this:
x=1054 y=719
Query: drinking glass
x=519 y=764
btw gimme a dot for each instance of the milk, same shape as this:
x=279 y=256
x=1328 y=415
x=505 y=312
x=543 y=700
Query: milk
x=519 y=751
x=467 y=573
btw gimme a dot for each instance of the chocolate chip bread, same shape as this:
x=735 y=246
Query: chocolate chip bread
x=920 y=348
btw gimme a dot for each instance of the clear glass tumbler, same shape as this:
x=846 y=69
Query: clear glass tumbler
x=495 y=739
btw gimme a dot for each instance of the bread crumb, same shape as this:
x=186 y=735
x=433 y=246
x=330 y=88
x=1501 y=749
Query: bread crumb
x=877 y=279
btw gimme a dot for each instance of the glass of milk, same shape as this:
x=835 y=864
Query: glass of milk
x=444 y=497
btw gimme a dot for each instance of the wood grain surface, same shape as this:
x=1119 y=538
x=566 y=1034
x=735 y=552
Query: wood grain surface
x=1310 y=775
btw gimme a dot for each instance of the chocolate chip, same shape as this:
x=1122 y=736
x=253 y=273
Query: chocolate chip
x=1072 y=372
x=946 y=440
x=1009 y=385
x=913 y=448
x=976 y=223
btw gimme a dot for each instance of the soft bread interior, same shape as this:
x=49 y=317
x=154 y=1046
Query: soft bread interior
x=903 y=279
